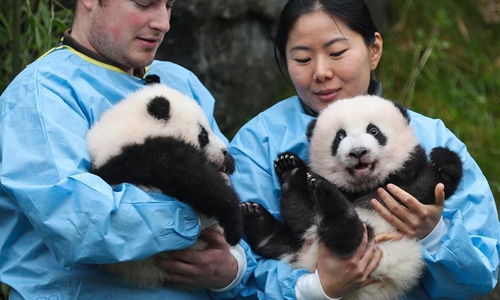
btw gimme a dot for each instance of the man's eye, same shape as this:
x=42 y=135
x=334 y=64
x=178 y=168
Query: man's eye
x=143 y=3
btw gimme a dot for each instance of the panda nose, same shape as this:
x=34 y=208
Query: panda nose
x=224 y=152
x=358 y=152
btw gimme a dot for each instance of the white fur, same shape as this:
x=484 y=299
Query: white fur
x=401 y=264
x=128 y=122
x=399 y=269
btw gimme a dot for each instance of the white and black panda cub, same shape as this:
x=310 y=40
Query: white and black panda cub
x=356 y=146
x=159 y=138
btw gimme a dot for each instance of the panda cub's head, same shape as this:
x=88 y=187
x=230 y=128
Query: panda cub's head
x=357 y=143
x=154 y=111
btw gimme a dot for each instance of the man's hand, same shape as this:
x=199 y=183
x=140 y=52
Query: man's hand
x=211 y=268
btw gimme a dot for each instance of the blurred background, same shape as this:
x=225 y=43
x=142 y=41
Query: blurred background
x=441 y=58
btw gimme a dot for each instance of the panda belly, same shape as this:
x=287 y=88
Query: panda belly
x=399 y=269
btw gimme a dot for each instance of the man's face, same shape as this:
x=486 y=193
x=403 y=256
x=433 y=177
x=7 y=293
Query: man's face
x=129 y=32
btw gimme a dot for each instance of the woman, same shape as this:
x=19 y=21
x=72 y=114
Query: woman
x=329 y=49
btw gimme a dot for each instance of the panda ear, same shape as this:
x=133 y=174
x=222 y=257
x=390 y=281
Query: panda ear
x=310 y=129
x=159 y=108
x=403 y=110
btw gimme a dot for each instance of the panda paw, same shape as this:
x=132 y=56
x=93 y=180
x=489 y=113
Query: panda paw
x=287 y=161
x=449 y=166
x=252 y=210
x=290 y=169
x=323 y=192
x=233 y=235
x=258 y=223
x=316 y=183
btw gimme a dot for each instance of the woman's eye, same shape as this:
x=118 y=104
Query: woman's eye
x=339 y=53
x=302 y=61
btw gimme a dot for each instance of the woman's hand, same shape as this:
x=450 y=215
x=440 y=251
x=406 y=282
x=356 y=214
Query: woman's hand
x=416 y=219
x=212 y=268
x=340 y=276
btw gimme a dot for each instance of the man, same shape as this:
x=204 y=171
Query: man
x=59 y=222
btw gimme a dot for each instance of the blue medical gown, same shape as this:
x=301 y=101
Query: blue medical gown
x=466 y=262
x=59 y=222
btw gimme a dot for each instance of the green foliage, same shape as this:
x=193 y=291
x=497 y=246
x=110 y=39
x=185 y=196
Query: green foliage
x=28 y=32
x=4 y=291
x=442 y=60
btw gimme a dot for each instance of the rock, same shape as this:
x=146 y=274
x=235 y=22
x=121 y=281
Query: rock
x=229 y=46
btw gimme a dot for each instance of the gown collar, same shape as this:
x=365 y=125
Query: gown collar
x=68 y=40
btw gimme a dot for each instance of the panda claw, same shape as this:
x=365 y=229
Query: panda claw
x=251 y=209
x=286 y=162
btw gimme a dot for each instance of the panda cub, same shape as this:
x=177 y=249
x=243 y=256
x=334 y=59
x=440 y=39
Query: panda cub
x=160 y=139
x=356 y=146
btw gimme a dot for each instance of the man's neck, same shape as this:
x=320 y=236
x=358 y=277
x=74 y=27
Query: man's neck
x=73 y=43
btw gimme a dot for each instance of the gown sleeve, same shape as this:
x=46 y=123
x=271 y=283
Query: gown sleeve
x=465 y=263
x=254 y=181
x=81 y=219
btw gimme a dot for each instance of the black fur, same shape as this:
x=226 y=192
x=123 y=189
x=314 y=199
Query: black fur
x=159 y=108
x=305 y=195
x=179 y=170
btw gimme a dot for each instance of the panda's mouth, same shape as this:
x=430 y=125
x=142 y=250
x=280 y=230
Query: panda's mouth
x=362 y=169
x=224 y=169
x=227 y=166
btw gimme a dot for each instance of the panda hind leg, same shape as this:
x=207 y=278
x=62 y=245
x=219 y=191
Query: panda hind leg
x=266 y=235
x=339 y=227
x=449 y=167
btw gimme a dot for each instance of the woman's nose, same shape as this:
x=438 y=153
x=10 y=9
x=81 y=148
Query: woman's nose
x=322 y=71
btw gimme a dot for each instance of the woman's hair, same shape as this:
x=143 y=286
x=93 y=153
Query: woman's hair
x=354 y=13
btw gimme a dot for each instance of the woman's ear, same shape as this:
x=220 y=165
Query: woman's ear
x=376 y=50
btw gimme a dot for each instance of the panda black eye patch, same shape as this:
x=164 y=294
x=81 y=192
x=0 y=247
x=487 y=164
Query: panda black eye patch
x=203 y=137
x=341 y=134
x=377 y=134
x=159 y=108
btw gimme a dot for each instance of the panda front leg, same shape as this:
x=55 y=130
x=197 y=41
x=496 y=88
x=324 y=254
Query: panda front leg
x=208 y=191
x=297 y=208
x=449 y=167
x=339 y=226
x=181 y=171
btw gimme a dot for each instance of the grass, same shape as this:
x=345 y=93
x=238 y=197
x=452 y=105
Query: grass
x=442 y=60
x=27 y=30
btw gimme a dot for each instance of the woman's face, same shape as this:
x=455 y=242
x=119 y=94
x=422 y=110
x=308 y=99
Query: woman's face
x=328 y=61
